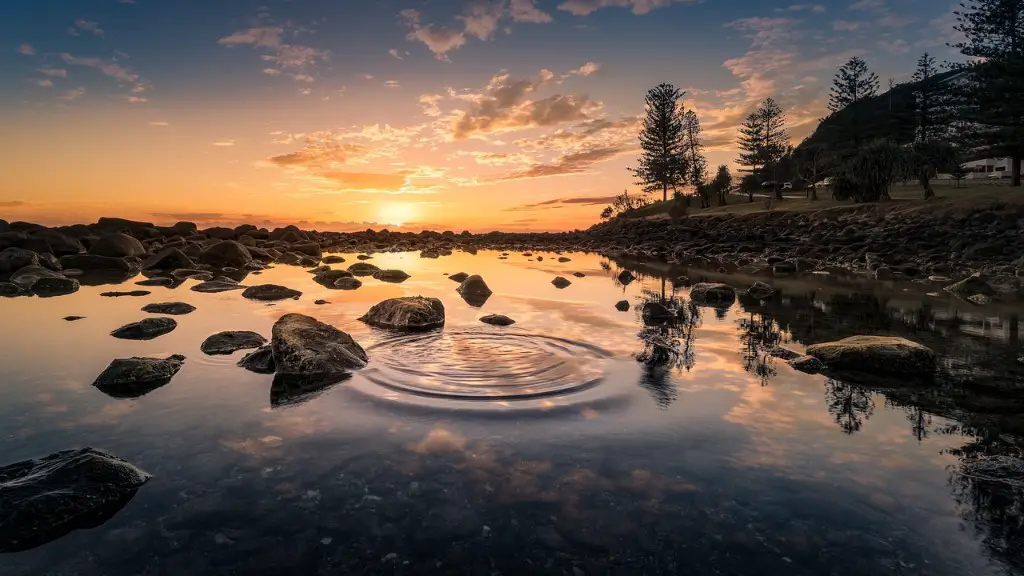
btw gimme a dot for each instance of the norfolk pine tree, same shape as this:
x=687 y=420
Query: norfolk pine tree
x=662 y=163
x=693 y=155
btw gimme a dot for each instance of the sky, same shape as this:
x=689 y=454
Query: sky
x=442 y=114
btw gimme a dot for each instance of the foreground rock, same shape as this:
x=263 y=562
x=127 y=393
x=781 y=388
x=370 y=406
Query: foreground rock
x=146 y=329
x=89 y=262
x=412 y=313
x=134 y=377
x=226 y=253
x=169 y=308
x=875 y=355
x=474 y=290
x=712 y=294
x=306 y=349
x=497 y=320
x=117 y=245
x=270 y=293
x=231 y=341
x=46 y=498
x=260 y=361
x=807 y=364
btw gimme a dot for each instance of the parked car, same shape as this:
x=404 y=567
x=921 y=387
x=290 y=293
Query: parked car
x=768 y=184
x=787 y=186
x=824 y=183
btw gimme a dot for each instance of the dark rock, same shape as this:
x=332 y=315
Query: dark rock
x=655 y=313
x=363 y=269
x=270 y=292
x=230 y=342
x=394 y=276
x=459 y=276
x=9 y=290
x=329 y=277
x=430 y=254
x=321 y=302
x=622 y=305
x=96 y=262
x=74 y=318
x=48 y=287
x=333 y=259
x=135 y=377
x=260 y=361
x=761 y=291
x=60 y=244
x=117 y=245
x=226 y=253
x=46 y=498
x=146 y=329
x=807 y=364
x=157 y=281
x=979 y=299
x=560 y=282
x=624 y=277
x=883 y=273
x=128 y=293
x=875 y=354
x=564 y=259
x=169 y=308
x=27 y=276
x=474 y=291
x=497 y=320
x=974 y=284
x=784 y=353
x=14 y=259
x=305 y=349
x=579 y=274
x=168 y=259
x=216 y=285
x=680 y=282
x=311 y=249
x=347 y=283
x=364 y=257
x=193 y=273
x=412 y=313
x=712 y=294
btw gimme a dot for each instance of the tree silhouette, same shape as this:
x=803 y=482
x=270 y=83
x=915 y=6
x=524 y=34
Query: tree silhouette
x=758 y=335
x=850 y=405
x=662 y=163
x=667 y=344
x=853 y=82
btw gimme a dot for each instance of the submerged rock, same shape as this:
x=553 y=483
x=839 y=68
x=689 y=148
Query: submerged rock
x=413 y=313
x=622 y=305
x=875 y=354
x=146 y=329
x=320 y=302
x=579 y=274
x=362 y=269
x=761 y=291
x=270 y=293
x=169 y=308
x=395 y=276
x=328 y=278
x=134 y=377
x=46 y=498
x=497 y=320
x=348 y=283
x=260 y=361
x=216 y=285
x=364 y=257
x=560 y=282
x=474 y=290
x=305 y=348
x=73 y=318
x=713 y=294
x=564 y=259
x=231 y=341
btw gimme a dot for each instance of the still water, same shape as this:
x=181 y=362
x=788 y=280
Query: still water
x=541 y=448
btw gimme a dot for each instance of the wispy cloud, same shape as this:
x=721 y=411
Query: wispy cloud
x=480 y=19
x=290 y=58
x=107 y=67
x=12 y=203
x=394 y=53
x=225 y=143
x=567 y=164
x=26 y=49
x=85 y=26
x=560 y=202
x=802 y=8
x=54 y=72
x=585 y=7
x=159 y=123
x=71 y=95
x=43 y=82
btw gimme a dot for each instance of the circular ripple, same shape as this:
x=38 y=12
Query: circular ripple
x=479 y=364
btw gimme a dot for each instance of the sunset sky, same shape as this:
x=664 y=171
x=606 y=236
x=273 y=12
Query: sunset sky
x=344 y=114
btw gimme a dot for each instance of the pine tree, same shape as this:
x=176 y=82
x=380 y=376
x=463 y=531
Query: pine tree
x=994 y=40
x=693 y=154
x=763 y=139
x=661 y=164
x=928 y=101
x=853 y=83
x=722 y=184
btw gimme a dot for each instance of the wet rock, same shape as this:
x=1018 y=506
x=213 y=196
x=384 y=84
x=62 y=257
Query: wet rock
x=875 y=354
x=118 y=294
x=564 y=259
x=784 y=353
x=622 y=305
x=307 y=349
x=430 y=254
x=146 y=329
x=458 y=276
x=49 y=287
x=979 y=299
x=260 y=361
x=807 y=364
x=883 y=273
x=412 y=313
x=579 y=274
x=168 y=259
x=89 y=262
x=26 y=277
x=311 y=249
x=560 y=282
x=393 y=276
x=364 y=257
x=363 y=269
x=9 y=290
x=624 y=277
x=655 y=313
x=974 y=284
x=157 y=281
x=60 y=244
x=474 y=290
x=347 y=283
x=117 y=245
x=497 y=320
x=135 y=377
x=319 y=270
x=329 y=278
x=46 y=498
x=713 y=294
x=216 y=285
x=540 y=258
x=73 y=318
x=270 y=293
x=226 y=253
x=333 y=259
x=784 y=267
x=193 y=273
x=13 y=259
x=231 y=341
x=169 y=308
x=761 y=291
x=320 y=302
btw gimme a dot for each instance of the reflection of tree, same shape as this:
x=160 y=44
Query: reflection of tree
x=667 y=344
x=850 y=405
x=758 y=335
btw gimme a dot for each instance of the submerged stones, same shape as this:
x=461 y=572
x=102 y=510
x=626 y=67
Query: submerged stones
x=412 y=313
x=157 y=281
x=713 y=294
x=231 y=341
x=46 y=498
x=134 y=293
x=875 y=354
x=497 y=320
x=305 y=348
x=146 y=329
x=136 y=376
x=169 y=308
x=347 y=283
x=270 y=293
x=474 y=290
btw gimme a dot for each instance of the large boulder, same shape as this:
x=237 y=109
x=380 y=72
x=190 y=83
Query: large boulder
x=168 y=259
x=89 y=262
x=231 y=341
x=474 y=290
x=227 y=253
x=146 y=329
x=60 y=244
x=875 y=355
x=307 y=349
x=46 y=498
x=13 y=259
x=26 y=277
x=270 y=293
x=308 y=248
x=136 y=376
x=117 y=245
x=413 y=313
x=713 y=294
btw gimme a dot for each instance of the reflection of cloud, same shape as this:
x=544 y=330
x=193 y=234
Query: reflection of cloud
x=439 y=441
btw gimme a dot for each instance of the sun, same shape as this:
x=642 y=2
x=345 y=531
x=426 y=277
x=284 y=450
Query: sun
x=396 y=213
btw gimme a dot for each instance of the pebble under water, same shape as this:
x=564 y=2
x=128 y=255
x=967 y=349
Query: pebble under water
x=581 y=440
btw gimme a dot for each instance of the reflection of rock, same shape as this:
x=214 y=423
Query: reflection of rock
x=474 y=291
x=270 y=293
x=560 y=282
x=169 y=308
x=622 y=305
x=497 y=320
x=875 y=354
x=46 y=498
x=146 y=329
x=290 y=390
x=713 y=294
x=761 y=290
x=412 y=313
x=134 y=377
x=305 y=348
x=655 y=313
x=231 y=341
x=625 y=277
x=260 y=361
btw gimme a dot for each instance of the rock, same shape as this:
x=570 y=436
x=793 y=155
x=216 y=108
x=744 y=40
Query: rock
x=564 y=259
x=363 y=269
x=333 y=259
x=260 y=361
x=430 y=254
x=168 y=259
x=713 y=294
x=364 y=257
x=26 y=277
x=883 y=273
x=474 y=290
x=974 y=284
x=624 y=277
x=49 y=287
x=157 y=281
x=579 y=274
x=169 y=308
x=192 y=273
x=979 y=299
x=497 y=320
x=784 y=353
x=761 y=291
x=230 y=342
x=270 y=292
x=680 y=282
x=311 y=249
x=328 y=278
x=458 y=276
x=9 y=290
x=655 y=313
x=412 y=313
x=807 y=364
x=394 y=276
x=60 y=244
x=226 y=253
x=875 y=354
x=96 y=262
x=320 y=302
x=560 y=282
x=347 y=283
x=622 y=305
x=146 y=329
x=73 y=318
x=13 y=259
x=307 y=350
x=784 y=267
x=216 y=285
x=134 y=377
x=46 y=498
x=128 y=293
x=117 y=245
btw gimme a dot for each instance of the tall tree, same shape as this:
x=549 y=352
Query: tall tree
x=928 y=104
x=763 y=139
x=722 y=184
x=693 y=153
x=661 y=164
x=993 y=33
x=852 y=83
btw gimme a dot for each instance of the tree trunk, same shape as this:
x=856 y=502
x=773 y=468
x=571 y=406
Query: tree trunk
x=664 y=192
x=778 y=192
x=814 y=194
x=1015 y=181
x=927 y=185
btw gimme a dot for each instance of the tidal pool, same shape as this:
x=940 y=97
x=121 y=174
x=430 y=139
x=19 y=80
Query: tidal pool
x=580 y=440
